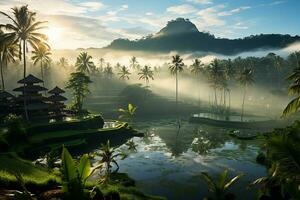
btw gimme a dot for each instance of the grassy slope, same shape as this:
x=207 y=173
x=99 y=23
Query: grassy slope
x=32 y=174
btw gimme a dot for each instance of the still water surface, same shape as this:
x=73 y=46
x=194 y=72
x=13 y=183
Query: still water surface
x=168 y=162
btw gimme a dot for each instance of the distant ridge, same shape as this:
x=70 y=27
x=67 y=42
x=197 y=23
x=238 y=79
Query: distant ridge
x=183 y=36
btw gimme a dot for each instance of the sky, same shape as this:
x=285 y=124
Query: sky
x=89 y=23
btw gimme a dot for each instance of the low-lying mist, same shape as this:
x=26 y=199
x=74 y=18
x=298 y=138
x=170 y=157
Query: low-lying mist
x=260 y=98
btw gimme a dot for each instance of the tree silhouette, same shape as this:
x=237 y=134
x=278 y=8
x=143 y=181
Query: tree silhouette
x=41 y=54
x=146 y=73
x=197 y=69
x=124 y=73
x=84 y=63
x=175 y=68
x=245 y=79
x=25 y=29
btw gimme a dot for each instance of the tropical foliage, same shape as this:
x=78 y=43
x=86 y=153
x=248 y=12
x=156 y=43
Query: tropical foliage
x=219 y=187
x=41 y=54
x=78 y=83
x=175 y=68
x=109 y=157
x=124 y=73
x=128 y=113
x=294 y=89
x=283 y=163
x=146 y=74
x=245 y=79
x=25 y=30
x=75 y=175
x=84 y=63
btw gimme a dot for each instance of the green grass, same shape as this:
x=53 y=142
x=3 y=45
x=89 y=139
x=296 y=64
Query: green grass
x=128 y=193
x=33 y=175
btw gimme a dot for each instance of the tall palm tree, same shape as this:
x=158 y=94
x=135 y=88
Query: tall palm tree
x=124 y=73
x=41 y=54
x=196 y=69
x=25 y=29
x=175 y=68
x=146 y=73
x=245 y=79
x=84 y=63
x=8 y=53
x=133 y=62
x=108 y=71
x=214 y=71
x=63 y=62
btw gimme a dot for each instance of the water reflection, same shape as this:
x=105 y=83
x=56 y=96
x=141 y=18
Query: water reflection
x=169 y=160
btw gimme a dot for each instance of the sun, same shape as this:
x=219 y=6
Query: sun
x=53 y=34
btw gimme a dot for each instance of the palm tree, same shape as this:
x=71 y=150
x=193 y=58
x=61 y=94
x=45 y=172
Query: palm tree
x=245 y=79
x=294 y=89
x=214 y=71
x=175 y=68
x=101 y=62
x=196 y=69
x=146 y=73
x=84 y=63
x=8 y=53
x=229 y=75
x=41 y=54
x=25 y=29
x=219 y=187
x=63 y=62
x=108 y=71
x=133 y=62
x=124 y=73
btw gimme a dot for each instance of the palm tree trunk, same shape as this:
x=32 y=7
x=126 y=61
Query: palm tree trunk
x=244 y=96
x=224 y=94
x=42 y=74
x=24 y=76
x=2 y=77
x=229 y=99
x=177 y=92
x=216 y=101
x=199 y=96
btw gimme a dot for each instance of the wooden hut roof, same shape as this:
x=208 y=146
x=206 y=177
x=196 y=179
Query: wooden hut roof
x=6 y=95
x=30 y=88
x=55 y=98
x=30 y=79
x=56 y=90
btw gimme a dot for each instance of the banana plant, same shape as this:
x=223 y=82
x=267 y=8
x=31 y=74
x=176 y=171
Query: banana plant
x=128 y=113
x=109 y=156
x=220 y=186
x=75 y=175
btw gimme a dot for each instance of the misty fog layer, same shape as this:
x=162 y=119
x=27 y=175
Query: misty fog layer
x=192 y=89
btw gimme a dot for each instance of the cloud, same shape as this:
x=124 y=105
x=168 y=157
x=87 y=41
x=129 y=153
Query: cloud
x=92 y=5
x=209 y=17
x=233 y=11
x=201 y=1
x=182 y=9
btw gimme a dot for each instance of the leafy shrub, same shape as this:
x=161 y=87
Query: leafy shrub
x=16 y=128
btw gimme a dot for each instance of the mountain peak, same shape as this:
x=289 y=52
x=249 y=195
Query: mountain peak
x=178 y=26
